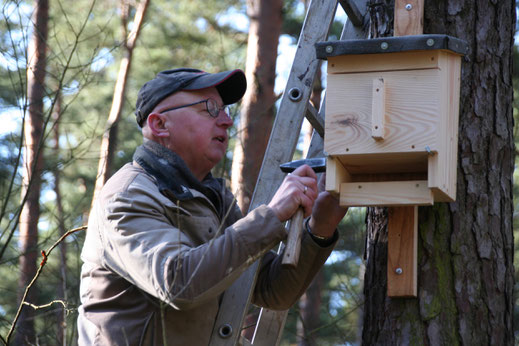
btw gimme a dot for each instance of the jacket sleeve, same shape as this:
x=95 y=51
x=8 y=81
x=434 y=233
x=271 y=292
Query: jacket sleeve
x=140 y=244
x=278 y=287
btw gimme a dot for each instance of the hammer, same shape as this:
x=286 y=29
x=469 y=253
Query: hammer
x=295 y=229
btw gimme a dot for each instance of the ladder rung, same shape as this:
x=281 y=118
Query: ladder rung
x=315 y=119
x=352 y=11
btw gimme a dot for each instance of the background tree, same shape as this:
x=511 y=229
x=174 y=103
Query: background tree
x=465 y=249
x=33 y=163
x=257 y=107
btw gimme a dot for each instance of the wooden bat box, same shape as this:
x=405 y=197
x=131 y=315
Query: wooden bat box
x=391 y=127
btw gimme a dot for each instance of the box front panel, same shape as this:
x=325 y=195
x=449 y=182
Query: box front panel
x=411 y=112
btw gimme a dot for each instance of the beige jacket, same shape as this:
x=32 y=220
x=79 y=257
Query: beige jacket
x=154 y=269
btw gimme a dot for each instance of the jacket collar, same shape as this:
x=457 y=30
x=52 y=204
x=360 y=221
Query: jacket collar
x=173 y=176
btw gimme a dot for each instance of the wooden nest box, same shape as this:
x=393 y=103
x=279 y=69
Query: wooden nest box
x=391 y=127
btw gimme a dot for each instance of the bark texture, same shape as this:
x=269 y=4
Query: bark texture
x=32 y=166
x=257 y=109
x=465 y=249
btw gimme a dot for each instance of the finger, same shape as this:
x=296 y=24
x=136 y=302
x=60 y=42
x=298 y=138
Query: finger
x=305 y=171
x=311 y=185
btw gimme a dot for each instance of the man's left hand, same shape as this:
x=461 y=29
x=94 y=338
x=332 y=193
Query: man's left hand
x=326 y=213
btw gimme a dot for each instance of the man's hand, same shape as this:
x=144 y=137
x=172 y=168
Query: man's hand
x=326 y=213
x=297 y=189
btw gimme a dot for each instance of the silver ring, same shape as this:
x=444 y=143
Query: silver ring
x=306 y=189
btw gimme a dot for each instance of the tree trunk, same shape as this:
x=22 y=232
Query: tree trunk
x=310 y=307
x=32 y=166
x=109 y=140
x=465 y=249
x=257 y=110
x=61 y=314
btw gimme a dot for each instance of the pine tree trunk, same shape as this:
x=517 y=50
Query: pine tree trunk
x=465 y=249
x=257 y=110
x=32 y=166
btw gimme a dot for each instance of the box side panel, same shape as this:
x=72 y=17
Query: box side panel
x=443 y=166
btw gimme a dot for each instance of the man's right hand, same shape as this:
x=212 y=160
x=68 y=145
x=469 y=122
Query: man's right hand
x=298 y=189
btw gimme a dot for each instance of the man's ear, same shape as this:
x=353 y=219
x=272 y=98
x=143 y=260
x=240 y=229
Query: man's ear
x=157 y=124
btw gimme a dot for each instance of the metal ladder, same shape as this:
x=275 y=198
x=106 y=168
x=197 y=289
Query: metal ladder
x=294 y=106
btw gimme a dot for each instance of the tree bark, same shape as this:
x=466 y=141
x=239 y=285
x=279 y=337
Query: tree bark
x=32 y=166
x=465 y=249
x=109 y=140
x=310 y=307
x=257 y=110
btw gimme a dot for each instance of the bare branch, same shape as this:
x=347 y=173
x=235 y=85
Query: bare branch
x=45 y=255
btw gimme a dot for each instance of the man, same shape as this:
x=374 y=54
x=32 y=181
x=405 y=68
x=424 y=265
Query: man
x=165 y=238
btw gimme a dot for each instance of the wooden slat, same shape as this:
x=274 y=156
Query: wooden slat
x=402 y=251
x=402 y=276
x=386 y=193
x=283 y=140
x=378 y=109
x=408 y=17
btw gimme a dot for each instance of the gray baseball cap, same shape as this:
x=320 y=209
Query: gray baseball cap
x=231 y=86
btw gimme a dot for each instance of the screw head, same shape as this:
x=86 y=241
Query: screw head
x=384 y=45
x=399 y=271
x=430 y=42
x=409 y=7
x=329 y=49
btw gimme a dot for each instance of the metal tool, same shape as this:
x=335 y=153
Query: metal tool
x=295 y=229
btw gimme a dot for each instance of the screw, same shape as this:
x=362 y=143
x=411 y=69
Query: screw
x=430 y=42
x=329 y=49
x=384 y=45
x=409 y=7
x=399 y=271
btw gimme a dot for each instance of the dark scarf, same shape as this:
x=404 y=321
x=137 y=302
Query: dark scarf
x=173 y=175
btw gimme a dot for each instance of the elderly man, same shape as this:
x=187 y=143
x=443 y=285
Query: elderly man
x=165 y=238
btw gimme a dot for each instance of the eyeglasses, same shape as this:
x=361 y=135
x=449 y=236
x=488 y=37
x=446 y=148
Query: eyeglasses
x=211 y=107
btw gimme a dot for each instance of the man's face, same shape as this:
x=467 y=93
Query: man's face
x=200 y=139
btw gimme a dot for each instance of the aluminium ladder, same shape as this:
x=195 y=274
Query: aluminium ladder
x=283 y=140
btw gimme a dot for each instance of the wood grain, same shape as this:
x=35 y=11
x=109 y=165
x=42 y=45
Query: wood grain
x=402 y=251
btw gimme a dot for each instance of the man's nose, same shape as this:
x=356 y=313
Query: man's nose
x=224 y=119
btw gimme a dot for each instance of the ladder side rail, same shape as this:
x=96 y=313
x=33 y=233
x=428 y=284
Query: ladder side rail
x=318 y=20
x=269 y=328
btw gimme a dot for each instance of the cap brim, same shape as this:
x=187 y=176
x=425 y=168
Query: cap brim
x=231 y=85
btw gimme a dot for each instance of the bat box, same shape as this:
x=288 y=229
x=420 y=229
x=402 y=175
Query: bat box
x=391 y=127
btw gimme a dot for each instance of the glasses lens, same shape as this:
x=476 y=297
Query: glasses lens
x=212 y=108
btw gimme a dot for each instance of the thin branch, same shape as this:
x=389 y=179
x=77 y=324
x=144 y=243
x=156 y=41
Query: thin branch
x=45 y=255
x=38 y=307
